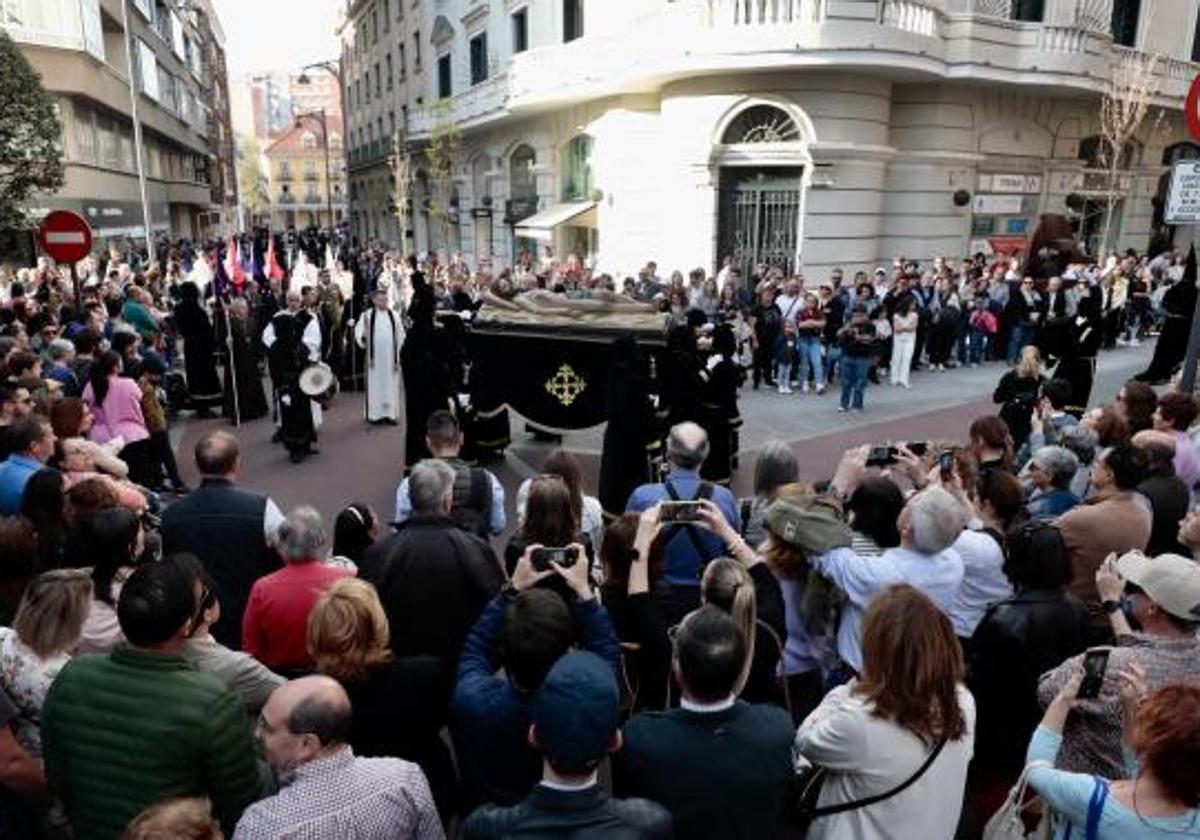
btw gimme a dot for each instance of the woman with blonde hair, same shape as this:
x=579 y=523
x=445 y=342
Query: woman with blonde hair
x=1018 y=392
x=180 y=818
x=903 y=732
x=400 y=702
x=41 y=641
x=726 y=584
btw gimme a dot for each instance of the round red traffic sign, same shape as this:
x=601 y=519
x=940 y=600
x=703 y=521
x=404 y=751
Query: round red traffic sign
x=66 y=236
x=1191 y=110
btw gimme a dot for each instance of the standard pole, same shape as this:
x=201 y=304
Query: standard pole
x=137 y=125
x=237 y=409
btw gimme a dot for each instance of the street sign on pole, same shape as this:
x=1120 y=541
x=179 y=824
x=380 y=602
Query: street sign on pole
x=1183 y=196
x=65 y=236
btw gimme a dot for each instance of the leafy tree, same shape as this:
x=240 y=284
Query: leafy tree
x=30 y=132
x=401 y=162
x=442 y=156
x=251 y=179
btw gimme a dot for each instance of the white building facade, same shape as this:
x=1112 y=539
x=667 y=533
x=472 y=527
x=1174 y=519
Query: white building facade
x=800 y=133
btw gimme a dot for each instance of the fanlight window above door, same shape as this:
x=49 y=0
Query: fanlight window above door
x=761 y=124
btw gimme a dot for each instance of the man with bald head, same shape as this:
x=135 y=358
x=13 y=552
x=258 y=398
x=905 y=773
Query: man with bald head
x=324 y=789
x=231 y=531
x=689 y=547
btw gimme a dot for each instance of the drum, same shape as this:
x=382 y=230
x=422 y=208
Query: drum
x=318 y=382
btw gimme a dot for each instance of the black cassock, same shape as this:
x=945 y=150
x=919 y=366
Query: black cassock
x=287 y=357
x=1179 y=302
x=251 y=401
x=427 y=380
x=1078 y=363
x=199 y=349
x=720 y=418
x=630 y=438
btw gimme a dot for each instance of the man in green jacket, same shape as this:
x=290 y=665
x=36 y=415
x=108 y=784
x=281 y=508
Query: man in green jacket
x=123 y=731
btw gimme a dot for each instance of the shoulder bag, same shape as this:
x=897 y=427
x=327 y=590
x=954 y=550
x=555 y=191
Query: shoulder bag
x=1008 y=823
x=809 y=786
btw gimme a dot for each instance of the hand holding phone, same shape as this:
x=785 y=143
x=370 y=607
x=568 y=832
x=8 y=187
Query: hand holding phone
x=1095 y=663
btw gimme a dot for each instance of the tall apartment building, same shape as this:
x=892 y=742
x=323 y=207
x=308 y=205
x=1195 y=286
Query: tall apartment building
x=385 y=56
x=803 y=133
x=79 y=48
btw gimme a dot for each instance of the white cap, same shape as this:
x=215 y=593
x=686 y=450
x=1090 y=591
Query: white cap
x=1169 y=580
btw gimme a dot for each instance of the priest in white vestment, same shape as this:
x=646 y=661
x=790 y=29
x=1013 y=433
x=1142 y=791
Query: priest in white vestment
x=381 y=333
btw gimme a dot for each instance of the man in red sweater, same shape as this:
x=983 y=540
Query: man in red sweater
x=275 y=625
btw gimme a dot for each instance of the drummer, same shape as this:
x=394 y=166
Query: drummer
x=293 y=341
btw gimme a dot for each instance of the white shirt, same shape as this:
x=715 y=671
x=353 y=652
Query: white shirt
x=870 y=755
x=984 y=582
x=862 y=578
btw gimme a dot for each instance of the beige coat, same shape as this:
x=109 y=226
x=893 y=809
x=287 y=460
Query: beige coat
x=1118 y=522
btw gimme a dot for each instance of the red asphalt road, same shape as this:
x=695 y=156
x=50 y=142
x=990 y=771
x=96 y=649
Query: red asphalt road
x=364 y=463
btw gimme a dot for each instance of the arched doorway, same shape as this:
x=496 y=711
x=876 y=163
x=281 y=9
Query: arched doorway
x=762 y=172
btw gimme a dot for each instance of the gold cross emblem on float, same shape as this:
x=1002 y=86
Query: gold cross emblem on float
x=566 y=385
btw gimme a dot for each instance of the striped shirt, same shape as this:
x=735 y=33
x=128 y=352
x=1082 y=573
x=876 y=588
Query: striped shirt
x=340 y=795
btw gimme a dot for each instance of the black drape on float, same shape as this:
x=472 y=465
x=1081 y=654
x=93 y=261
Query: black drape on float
x=1179 y=302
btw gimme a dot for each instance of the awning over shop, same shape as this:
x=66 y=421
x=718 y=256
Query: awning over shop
x=541 y=225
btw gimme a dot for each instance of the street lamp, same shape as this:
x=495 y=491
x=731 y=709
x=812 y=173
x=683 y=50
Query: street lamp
x=319 y=116
x=334 y=68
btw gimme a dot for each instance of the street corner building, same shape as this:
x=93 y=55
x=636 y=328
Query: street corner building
x=84 y=52
x=800 y=133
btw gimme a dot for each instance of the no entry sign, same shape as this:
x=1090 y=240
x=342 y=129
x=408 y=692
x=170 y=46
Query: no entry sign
x=65 y=236
x=1191 y=109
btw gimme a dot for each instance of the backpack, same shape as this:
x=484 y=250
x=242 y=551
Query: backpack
x=472 y=506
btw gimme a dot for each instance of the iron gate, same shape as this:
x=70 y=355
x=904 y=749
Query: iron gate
x=759 y=217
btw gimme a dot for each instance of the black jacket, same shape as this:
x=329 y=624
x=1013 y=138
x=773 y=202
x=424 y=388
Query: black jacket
x=434 y=580
x=1018 y=640
x=581 y=815
x=223 y=525
x=721 y=774
x=1169 y=503
x=400 y=711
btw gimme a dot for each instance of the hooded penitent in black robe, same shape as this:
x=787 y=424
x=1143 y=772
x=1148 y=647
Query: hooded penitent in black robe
x=629 y=438
x=1179 y=302
x=427 y=383
x=199 y=348
x=251 y=401
x=1078 y=362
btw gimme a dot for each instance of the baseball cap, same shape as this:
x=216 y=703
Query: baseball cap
x=881 y=270
x=575 y=713
x=1169 y=580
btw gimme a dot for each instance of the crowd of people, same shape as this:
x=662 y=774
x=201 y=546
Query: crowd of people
x=883 y=653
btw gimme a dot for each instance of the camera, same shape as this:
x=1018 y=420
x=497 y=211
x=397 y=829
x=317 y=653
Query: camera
x=685 y=511
x=885 y=456
x=564 y=556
